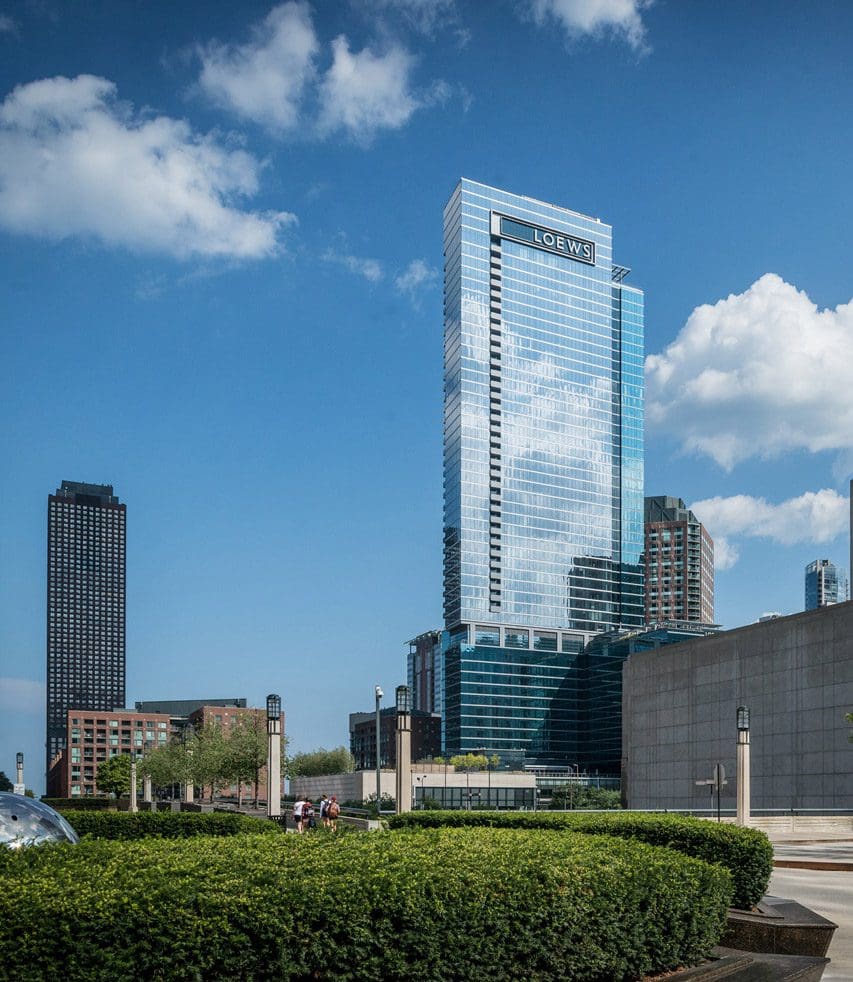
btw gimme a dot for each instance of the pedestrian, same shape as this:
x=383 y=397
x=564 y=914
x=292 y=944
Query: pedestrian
x=308 y=821
x=333 y=809
x=324 y=814
x=298 y=808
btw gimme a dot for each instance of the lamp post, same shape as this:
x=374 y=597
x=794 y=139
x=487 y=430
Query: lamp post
x=742 y=765
x=404 y=749
x=273 y=756
x=379 y=694
x=188 y=782
x=134 y=807
x=20 y=787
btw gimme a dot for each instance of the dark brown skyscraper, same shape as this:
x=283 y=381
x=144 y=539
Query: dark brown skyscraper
x=85 y=605
x=679 y=561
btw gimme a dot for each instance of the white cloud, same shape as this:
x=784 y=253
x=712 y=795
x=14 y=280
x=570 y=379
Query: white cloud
x=370 y=269
x=595 y=17
x=425 y=16
x=21 y=696
x=265 y=80
x=725 y=554
x=757 y=374
x=815 y=516
x=363 y=92
x=415 y=276
x=274 y=79
x=76 y=162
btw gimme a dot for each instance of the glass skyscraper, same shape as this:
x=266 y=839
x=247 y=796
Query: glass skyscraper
x=826 y=584
x=543 y=468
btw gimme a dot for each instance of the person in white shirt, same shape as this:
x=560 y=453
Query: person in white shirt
x=297 y=813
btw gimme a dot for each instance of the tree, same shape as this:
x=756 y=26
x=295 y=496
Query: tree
x=165 y=765
x=850 y=720
x=321 y=762
x=246 y=752
x=208 y=758
x=469 y=762
x=572 y=796
x=114 y=775
x=5 y=783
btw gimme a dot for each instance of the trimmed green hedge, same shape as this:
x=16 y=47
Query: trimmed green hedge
x=746 y=853
x=90 y=803
x=166 y=825
x=445 y=904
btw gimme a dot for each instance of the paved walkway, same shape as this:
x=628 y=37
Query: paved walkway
x=817 y=871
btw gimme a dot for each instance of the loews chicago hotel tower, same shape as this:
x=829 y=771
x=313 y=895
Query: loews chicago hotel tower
x=543 y=468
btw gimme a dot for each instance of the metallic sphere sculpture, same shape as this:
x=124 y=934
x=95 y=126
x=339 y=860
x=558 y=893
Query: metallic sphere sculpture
x=27 y=822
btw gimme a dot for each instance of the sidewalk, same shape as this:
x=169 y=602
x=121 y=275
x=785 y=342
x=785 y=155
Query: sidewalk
x=821 y=851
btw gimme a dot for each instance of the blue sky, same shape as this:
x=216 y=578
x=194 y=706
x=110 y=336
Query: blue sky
x=220 y=237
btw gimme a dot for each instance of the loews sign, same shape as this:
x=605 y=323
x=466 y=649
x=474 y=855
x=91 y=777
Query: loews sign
x=544 y=238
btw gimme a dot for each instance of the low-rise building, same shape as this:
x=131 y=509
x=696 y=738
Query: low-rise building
x=679 y=704
x=426 y=737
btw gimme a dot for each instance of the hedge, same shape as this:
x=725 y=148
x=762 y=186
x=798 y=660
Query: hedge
x=89 y=803
x=167 y=825
x=746 y=853
x=444 y=904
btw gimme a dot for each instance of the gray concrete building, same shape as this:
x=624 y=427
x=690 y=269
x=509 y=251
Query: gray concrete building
x=796 y=676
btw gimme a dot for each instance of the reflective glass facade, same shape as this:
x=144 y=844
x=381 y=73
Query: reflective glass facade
x=543 y=454
x=543 y=464
x=826 y=584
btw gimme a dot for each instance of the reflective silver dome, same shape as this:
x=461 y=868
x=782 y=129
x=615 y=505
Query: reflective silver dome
x=27 y=822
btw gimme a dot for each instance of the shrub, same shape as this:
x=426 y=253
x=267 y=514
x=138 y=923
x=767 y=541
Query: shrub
x=165 y=825
x=82 y=804
x=746 y=853
x=465 y=904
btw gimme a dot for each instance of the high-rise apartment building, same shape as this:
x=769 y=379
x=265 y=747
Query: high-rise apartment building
x=826 y=584
x=85 y=605
x=679 y=564
x=543 y=467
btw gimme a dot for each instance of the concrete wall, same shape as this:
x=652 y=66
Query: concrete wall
x=796 y=676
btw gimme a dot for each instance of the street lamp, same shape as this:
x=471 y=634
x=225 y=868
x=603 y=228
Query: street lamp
x=273 y=756
x=379 y=694
x=404 y=748
x=20 y=787
x=134 y=807
x=743 y=765
x=186 y=735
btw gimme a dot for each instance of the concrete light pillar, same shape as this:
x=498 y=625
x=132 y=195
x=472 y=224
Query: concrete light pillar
x=274 y=756
x=20 y=787
x=404 y=749
x=379 y=694
x=147 y=794
x=134 y=807
x=743 y=789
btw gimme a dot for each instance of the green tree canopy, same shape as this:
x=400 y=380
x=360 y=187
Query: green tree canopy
x=320 y=762
x=469 y=762
x=5 y=783
x=114 y=775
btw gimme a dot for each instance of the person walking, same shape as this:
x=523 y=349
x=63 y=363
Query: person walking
x=333 y=809
x=298 y=808
x=324 y=815
x=308 y=821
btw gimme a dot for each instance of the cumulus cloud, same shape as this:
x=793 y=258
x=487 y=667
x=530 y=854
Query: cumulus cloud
x=416 y=275
x=370 y=269
x=21 y=696
x=76 y=162
x=621 y=18
x=363 y=92
x=274 y=80
x=816 y=516
x=265 y=79
x=425 y=16
x=757 y=374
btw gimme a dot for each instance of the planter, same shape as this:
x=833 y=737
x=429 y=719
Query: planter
x=779 y=926
x=730 y=965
